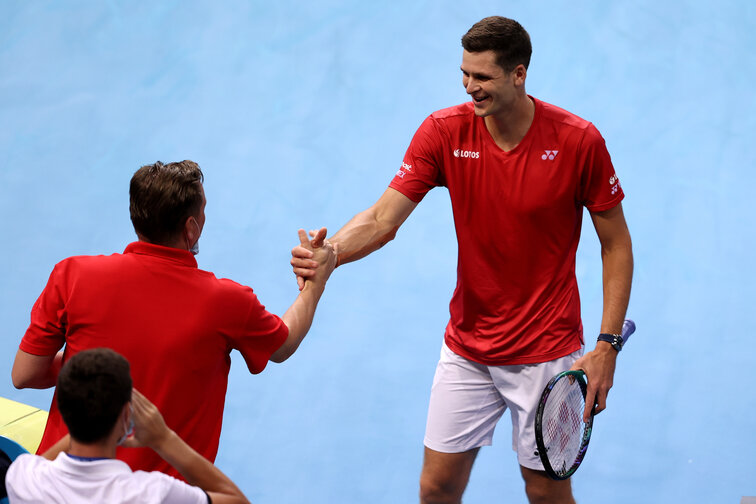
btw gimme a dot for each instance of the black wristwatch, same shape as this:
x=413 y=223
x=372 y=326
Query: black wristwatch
x=614 y=339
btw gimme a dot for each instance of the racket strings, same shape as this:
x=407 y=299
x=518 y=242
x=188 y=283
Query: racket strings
x=563 y=426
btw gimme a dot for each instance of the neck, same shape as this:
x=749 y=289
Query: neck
x=178 y=243
x=105 y=449
x=509 y=127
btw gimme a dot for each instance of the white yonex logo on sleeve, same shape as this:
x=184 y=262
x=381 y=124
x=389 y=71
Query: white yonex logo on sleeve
x=550 y=155
x=614 y=182
x=466 y=154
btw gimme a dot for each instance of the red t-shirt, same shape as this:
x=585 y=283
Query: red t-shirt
x=175 y=323
x=518 y=216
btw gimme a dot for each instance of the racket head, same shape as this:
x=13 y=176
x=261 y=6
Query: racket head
x=561 y=435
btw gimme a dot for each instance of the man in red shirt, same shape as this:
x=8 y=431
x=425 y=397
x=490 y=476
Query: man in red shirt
x=175 y=323
x=519 y=172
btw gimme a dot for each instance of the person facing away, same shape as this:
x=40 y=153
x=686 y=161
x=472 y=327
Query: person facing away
x=519 y=172
x=175 y=323
x=97 y=403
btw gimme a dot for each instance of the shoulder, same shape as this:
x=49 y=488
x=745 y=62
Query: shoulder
x=447 y=122
x=461 y=112
x=85 y=262
x=25 y=470
x=26 y=461
x=567 y=123
x=560 y=116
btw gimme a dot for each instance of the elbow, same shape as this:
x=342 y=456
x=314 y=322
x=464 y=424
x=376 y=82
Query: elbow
x=18 y=381
x=281 y=354
x=389 y=236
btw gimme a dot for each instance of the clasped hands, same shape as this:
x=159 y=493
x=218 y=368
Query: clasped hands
x=314 y=259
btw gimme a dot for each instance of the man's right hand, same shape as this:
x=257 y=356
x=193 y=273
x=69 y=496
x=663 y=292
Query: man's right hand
x=310 y=254
x=150 y=428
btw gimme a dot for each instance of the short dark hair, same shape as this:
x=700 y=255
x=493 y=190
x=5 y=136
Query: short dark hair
x=162 y=197
x=506 y=37
x=93 y=387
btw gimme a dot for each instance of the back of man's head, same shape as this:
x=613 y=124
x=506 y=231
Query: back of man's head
x=506 y=37
x=162 y=197
x=93 y=387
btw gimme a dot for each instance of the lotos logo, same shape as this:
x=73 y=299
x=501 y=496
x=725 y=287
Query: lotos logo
x=466 y=154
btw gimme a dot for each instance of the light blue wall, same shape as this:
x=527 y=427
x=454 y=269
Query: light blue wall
x=299 y=114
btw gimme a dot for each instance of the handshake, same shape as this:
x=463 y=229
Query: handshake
x=314 y=259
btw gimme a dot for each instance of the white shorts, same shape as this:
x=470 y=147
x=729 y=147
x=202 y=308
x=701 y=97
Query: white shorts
x=467 y=400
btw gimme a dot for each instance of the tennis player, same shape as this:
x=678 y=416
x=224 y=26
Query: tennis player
x=519 y=172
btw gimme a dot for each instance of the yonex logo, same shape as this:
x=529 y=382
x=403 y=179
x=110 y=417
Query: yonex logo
x=466 y=154
x=550 y=155
x=407 y=167
x=614 y=182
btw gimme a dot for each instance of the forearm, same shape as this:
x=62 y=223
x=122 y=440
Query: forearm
x=373 y=228
x=617 y=279
x=362 y=235
x=197 y=470
x=298 y=318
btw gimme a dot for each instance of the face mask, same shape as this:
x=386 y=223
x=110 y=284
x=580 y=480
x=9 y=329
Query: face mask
x=129 y=429
x=195 y=248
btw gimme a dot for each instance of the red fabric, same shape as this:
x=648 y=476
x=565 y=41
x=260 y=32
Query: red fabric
x=175 y=323
x=518 y=216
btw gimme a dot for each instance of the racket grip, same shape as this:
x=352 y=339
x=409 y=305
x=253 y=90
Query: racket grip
x=628 y=328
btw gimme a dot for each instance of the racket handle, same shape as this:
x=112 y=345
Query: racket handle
x=628 y=328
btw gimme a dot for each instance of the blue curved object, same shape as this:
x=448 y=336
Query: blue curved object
x=11 y=448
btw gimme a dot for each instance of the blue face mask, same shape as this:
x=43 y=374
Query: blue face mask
x=129 y=429
x=194 y=249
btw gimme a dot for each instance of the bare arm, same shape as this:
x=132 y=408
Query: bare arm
x=63 y=444
x=150 y=430
x=298 y=318
x=36 y=371
x=617 y=261
x=365 y=233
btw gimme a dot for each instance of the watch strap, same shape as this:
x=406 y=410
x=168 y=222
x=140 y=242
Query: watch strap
x=613 y=339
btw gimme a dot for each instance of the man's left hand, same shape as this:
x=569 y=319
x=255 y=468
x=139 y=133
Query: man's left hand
x=598 y=367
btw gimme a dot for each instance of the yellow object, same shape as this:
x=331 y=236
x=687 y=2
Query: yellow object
x=22 y=423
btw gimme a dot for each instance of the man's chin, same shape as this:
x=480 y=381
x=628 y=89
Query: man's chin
x=480 y=111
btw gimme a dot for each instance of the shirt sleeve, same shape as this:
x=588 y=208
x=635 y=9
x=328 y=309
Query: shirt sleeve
x=172 y=490
x=46 y=332
x=421 y=168
x=261 y=333
x=600 y=189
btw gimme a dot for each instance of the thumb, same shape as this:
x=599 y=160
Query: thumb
x=318 y=237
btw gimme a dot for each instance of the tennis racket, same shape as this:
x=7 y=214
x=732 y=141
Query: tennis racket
x=561 y=435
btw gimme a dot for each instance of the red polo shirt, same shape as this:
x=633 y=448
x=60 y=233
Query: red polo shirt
x=175 y=323
x=518 y=215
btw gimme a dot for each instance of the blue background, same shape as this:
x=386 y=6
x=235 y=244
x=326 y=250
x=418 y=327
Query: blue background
x=299 y=114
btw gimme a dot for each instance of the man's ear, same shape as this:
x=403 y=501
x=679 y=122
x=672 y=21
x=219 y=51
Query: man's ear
x=520 y=74
x=126 y=413
x=191 y=230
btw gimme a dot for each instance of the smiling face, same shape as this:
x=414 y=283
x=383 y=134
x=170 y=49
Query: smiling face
x=493 y=90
